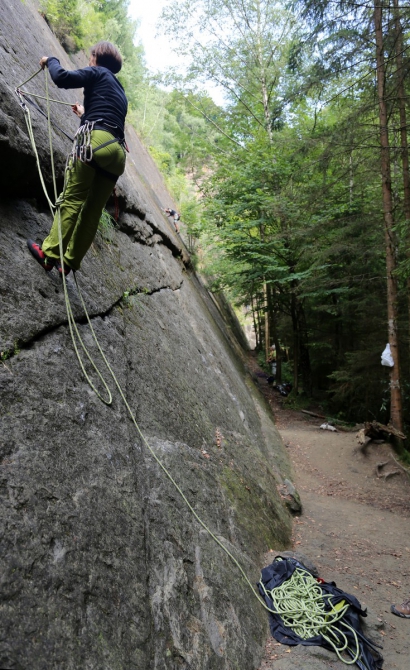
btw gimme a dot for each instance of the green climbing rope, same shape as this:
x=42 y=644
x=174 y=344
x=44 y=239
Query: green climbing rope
x=299 y=600
x=308 y=612
x=43 y=97
x=29 y=79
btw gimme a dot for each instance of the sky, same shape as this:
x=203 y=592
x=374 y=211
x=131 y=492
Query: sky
x=158 y=53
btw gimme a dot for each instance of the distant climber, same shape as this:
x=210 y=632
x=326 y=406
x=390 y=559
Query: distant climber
x=175 y=215
x=271 y=360
x=91 y=175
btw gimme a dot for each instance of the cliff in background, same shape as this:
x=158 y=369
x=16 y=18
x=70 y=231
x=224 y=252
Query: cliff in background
x=102 y=564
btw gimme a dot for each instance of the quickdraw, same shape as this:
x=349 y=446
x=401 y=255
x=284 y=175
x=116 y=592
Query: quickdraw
x=82 y=148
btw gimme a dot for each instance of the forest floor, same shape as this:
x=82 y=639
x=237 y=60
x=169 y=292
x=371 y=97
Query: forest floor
x=354 y=527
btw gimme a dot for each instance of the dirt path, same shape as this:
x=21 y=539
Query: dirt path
x=354 y=527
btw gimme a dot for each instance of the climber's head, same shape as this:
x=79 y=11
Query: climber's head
x=106 y=55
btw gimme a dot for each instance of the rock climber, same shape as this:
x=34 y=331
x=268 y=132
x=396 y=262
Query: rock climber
x=175 y=215
x=97 y=159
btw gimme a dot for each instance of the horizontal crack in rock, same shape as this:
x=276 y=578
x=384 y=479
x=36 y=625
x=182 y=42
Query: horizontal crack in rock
x=82 y=320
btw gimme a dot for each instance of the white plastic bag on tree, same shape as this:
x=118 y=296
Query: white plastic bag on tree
x=387 y=358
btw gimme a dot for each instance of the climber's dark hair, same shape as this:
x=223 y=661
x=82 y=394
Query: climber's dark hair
x=107 y=55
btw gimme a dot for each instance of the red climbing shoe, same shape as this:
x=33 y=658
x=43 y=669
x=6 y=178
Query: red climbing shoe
x=66 y=269
x=45 y=262
x=402 y=610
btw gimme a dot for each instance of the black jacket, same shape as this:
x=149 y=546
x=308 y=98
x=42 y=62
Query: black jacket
x=104 y=97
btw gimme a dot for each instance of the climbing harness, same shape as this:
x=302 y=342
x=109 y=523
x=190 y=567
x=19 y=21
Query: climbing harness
x=84 y=151
x=320 y=620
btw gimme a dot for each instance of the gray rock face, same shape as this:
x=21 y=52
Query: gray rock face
x=291 y=497
x=103 y=566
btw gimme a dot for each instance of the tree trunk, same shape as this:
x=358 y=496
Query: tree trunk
x=274 y=333
x=295 y=328
x=278 y=352
x=395 y=395
x=401 y=95
x=259 y=318
x=265 y=304
x=266 y=310
x=255 y=325
x=304 y=356
x=262 y=75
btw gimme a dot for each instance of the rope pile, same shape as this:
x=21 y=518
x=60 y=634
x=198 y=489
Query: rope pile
x=308 y=612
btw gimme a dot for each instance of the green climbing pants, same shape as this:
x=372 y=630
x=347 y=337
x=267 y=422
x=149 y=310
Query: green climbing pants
x=86 y=194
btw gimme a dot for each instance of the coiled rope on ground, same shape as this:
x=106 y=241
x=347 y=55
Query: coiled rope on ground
x=304 y=608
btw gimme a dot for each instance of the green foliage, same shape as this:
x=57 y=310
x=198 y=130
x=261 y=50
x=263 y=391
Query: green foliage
x=292 y=194
x=287 y=371
x=8 y=353
x=106 y=226
x=357 y=393
x=65 y=19
x=163 y=160
x=404 y=458
x=191 y=213
x=297 y=401
x=132 y=298
x=81 y=23
x=262 y=361
x=92 y=28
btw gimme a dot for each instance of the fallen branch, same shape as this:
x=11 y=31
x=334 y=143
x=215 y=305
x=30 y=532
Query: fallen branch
x=363 y=439
x=390 y=430
x=374 y=430
x=317 y=416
